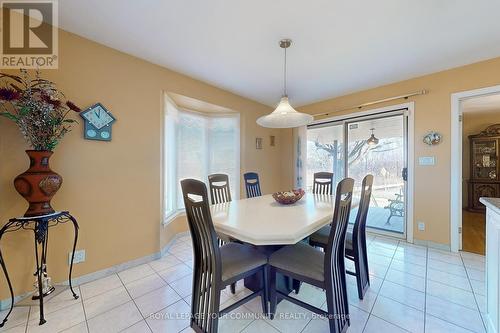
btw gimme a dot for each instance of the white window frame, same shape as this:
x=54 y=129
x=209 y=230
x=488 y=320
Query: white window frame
x=172 y=215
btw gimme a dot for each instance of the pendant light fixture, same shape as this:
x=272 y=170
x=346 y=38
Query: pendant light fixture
x=372 y=140
x=285 y=116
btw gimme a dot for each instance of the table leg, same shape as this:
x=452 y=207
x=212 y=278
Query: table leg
x=75 y=225
x=39 y=275
x=4 y=268
x=284 y=284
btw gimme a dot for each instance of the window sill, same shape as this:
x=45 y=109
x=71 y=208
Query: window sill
x=169 y=218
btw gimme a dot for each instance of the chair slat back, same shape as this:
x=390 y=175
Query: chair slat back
x=323 y=183
x=359 y=229
x=252 y=184
x=219 y=188
x=335 y=251
x=207 y=262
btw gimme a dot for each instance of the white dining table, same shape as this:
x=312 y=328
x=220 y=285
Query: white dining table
x=262 y=221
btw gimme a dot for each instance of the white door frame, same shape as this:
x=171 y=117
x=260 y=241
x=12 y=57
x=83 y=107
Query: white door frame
x=456 y=161
x=410 y=185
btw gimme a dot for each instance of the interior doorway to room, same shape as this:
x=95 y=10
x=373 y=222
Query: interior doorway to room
x=356 y=146
x=480 y=166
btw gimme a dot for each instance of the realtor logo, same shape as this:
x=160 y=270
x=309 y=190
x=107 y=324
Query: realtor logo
x=29 y=34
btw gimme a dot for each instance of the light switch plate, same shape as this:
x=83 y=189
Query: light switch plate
x=426 y=160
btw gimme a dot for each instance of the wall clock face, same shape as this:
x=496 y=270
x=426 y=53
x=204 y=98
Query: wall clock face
x=98 y=123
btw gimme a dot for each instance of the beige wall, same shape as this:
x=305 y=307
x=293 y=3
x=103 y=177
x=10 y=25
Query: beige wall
x=114 y=188
x=473 y=123
x=432 y=112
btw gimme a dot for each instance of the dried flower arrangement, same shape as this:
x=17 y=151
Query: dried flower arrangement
x=39 y=109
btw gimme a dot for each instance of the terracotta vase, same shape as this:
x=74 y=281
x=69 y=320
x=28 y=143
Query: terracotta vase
x=38 y=184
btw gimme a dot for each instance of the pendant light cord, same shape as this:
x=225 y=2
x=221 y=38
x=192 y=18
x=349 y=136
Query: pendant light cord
x=284 y=75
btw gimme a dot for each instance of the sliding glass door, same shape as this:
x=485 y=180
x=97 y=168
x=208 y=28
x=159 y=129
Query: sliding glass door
x=370 y=145
x=325 y=152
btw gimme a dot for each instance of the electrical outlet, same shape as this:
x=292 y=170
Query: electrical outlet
x=79 y=257
x=421 y=226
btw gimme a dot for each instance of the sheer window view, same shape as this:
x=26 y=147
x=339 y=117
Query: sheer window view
x=385 y=159
x=196 y=146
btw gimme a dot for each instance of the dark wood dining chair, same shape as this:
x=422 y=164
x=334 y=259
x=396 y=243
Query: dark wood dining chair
x=355 y=243
x=325 y=270
x=216 y=267
x=323 y=183
x=221 y=193
x=219 y=188
x=252 y=184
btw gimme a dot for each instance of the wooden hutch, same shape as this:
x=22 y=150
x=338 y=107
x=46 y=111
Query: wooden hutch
x=484 y=167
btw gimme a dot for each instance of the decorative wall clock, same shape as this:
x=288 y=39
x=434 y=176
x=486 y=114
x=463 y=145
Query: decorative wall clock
x=98 y=123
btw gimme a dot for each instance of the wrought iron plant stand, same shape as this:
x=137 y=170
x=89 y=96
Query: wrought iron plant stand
x=40 y=226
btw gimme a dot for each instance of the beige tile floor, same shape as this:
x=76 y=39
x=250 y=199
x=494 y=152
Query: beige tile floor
x=412 y=289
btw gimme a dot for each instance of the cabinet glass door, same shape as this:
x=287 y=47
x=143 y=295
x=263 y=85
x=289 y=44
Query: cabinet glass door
x=484 y=157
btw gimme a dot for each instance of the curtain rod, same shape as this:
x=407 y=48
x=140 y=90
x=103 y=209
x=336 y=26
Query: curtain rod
x=406 y=96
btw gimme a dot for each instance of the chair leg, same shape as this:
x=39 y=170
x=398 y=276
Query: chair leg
x=213 y=322
x=336 y=300
x=264 y=296
x=362 y=275
x=296 y=286
x=331 y=315
x=274 y=295
x=233 y=288
x=332 y=308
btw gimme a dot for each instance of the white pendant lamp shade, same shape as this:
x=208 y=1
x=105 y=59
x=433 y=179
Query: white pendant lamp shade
x=285 y=116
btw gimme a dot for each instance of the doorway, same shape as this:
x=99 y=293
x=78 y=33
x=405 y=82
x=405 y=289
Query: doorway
x=474 y=165
x=374 y=144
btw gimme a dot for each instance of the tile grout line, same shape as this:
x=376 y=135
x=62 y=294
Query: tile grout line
x=474 y=294
x=135 y=304
x=137 y=279
x=84 y=312
x=27 y=320
x=250 y=323
x=114 y=307
x=445 y=300
x=383 y=280
x=99 y=294
x=175 y=291
x=454 y=302
x=392 y=259
x=402 y=285
x=399 y=327
x=453 y=324
x=449 y=285
x=425 y=305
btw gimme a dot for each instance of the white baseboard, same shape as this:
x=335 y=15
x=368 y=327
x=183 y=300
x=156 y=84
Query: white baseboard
x=432 y=245
x=5 y=303
x=165 y=249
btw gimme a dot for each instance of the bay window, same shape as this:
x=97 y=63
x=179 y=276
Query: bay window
x=196 y=145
